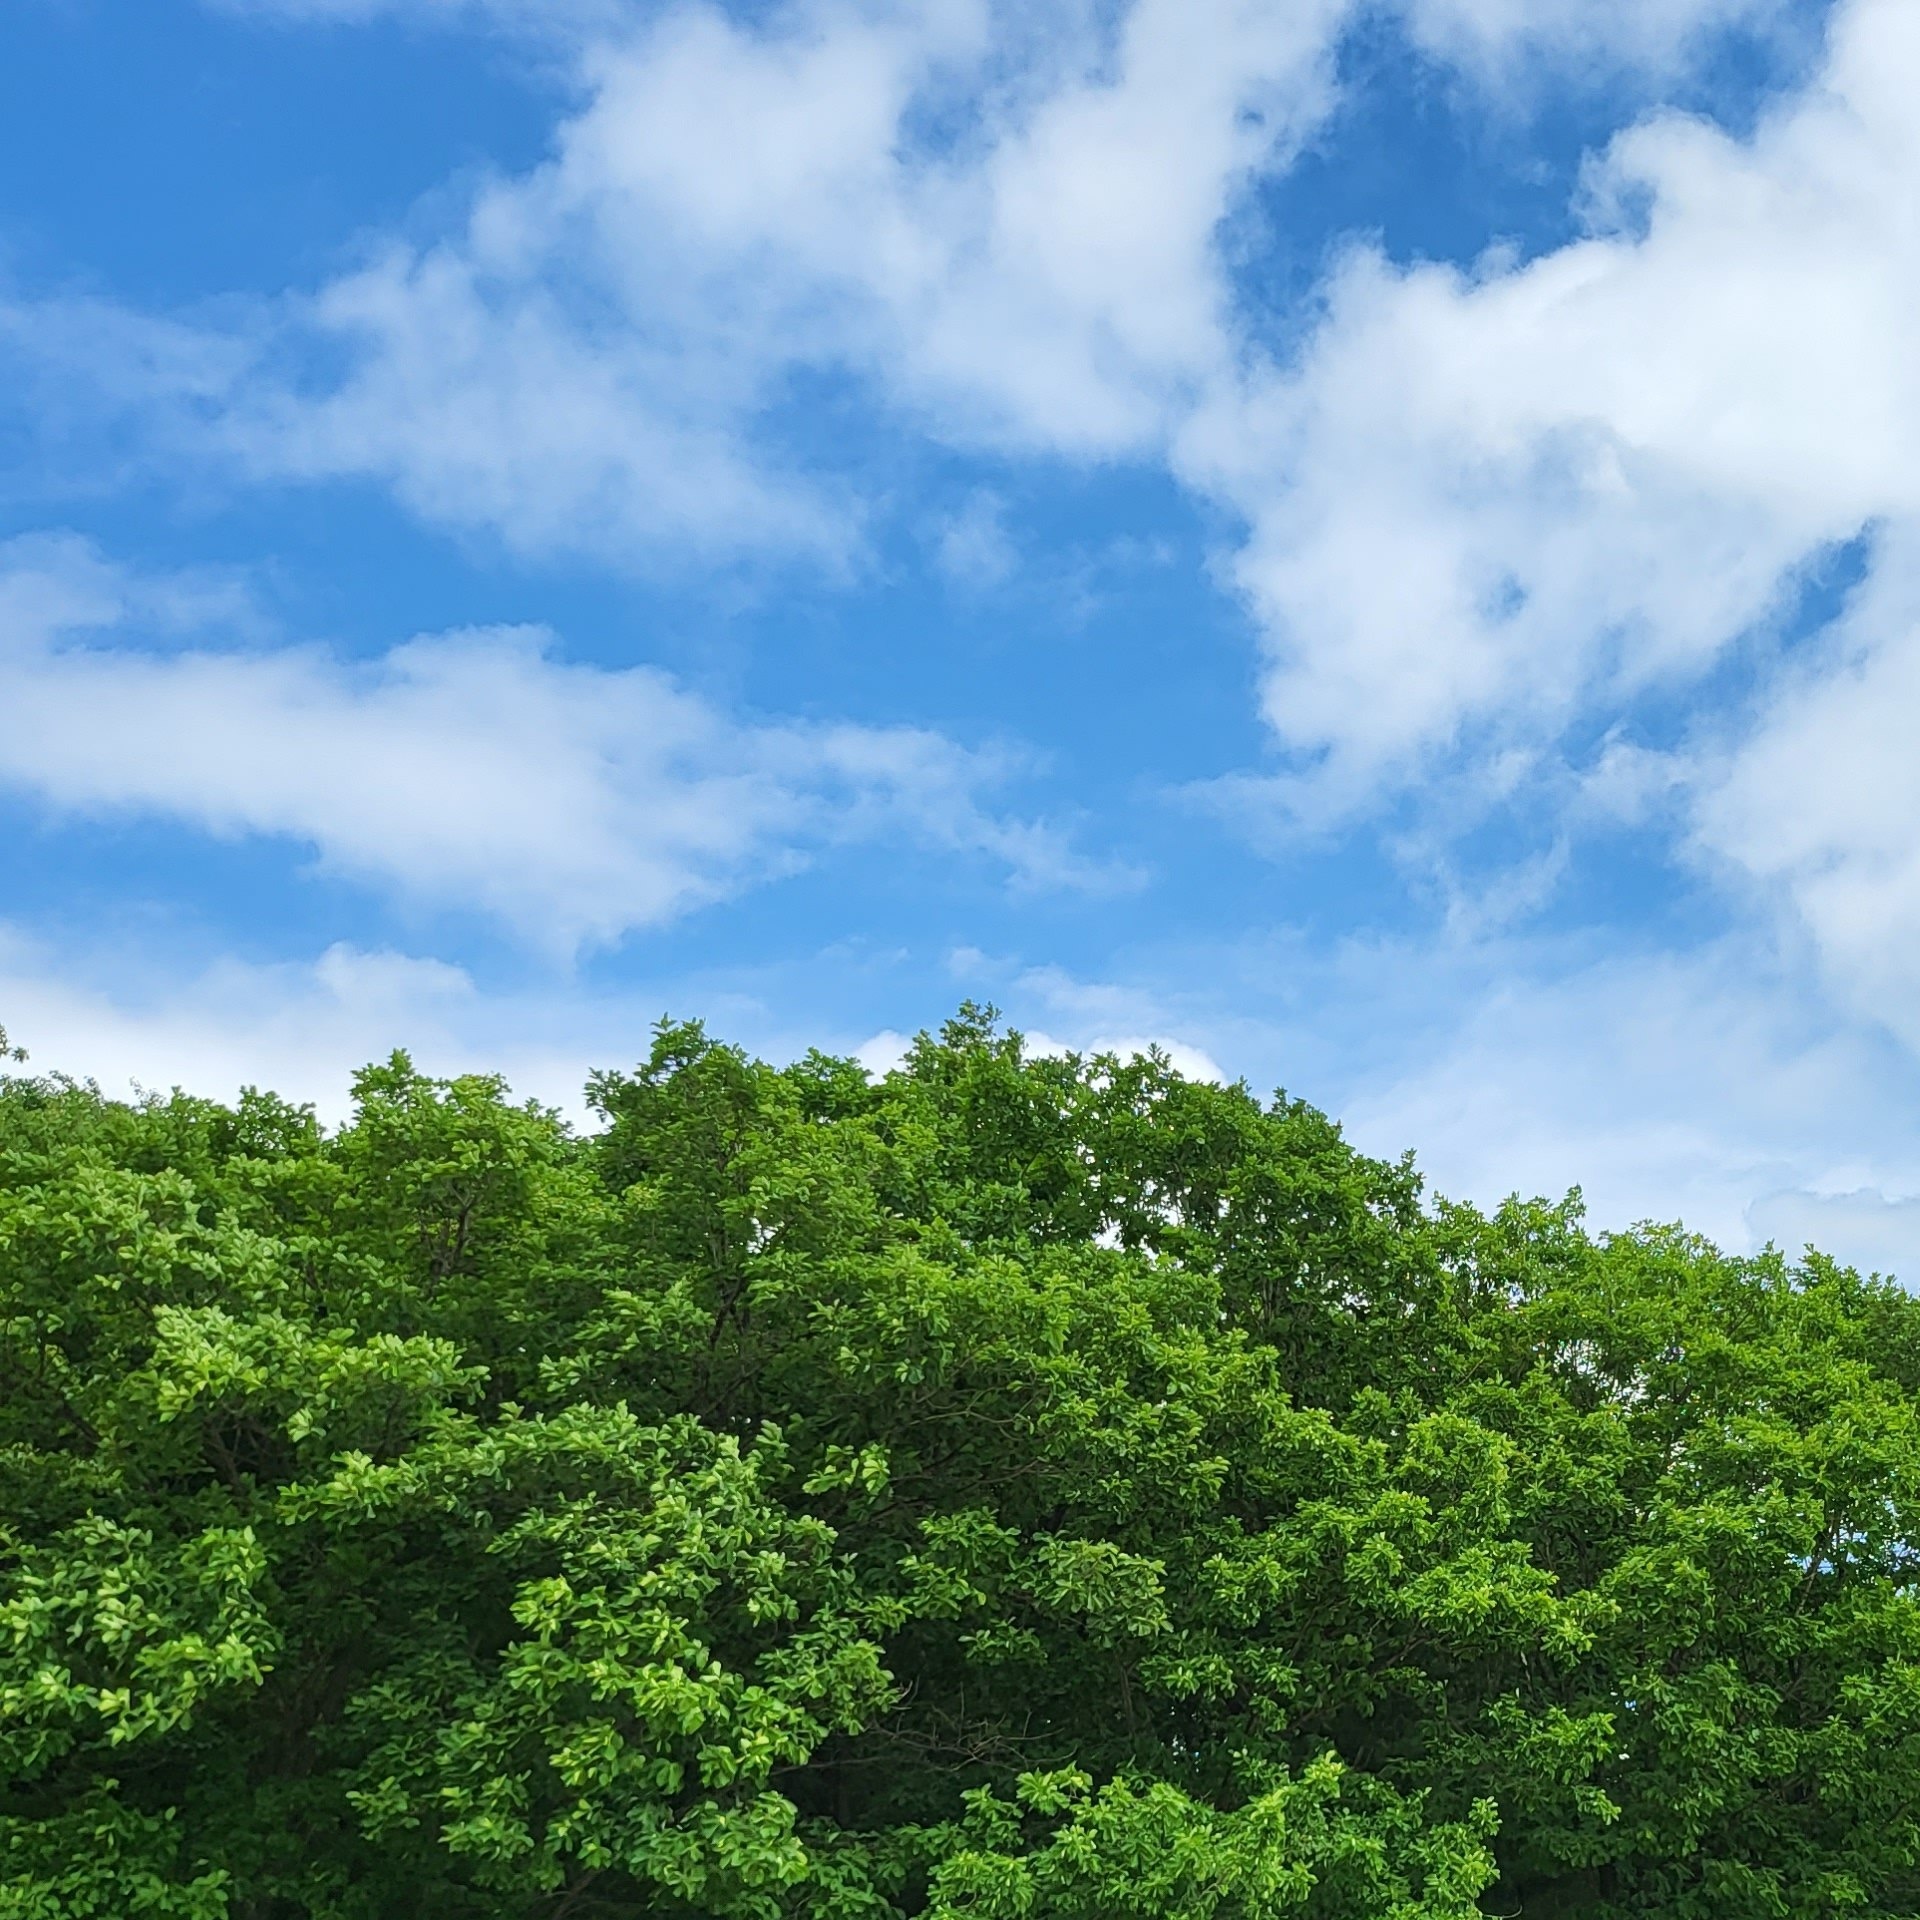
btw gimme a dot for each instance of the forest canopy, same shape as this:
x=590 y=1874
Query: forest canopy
x=1012 y=1488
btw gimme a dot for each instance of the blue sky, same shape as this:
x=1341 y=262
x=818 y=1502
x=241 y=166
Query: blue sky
x=1374 y=545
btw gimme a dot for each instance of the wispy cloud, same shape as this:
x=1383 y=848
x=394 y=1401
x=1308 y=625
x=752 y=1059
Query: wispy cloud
x=1819 y=806
x=476 y=769
x=973 y=546
x=1504 y=38
x=1697 y=1085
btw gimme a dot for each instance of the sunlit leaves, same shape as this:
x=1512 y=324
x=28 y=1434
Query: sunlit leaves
x=1014 y=1489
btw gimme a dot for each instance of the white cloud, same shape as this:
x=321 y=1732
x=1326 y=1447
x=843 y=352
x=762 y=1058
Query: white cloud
x=1000 y=227
x=473 y=393
x=1194 y=1062
x=1503 y=34
x=473 y=769
x=1488 y=508
x=737 y=202
x=1820 y=804
x=1058 y=1014
x=1001 y=224
x=881 y=1052
x=1482 y=502
x=299 y=1029
x=1694 y=1087
x=1090 y=1016
x=740 y=199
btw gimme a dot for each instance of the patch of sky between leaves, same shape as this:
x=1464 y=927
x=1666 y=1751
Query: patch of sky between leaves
x=1431 y=165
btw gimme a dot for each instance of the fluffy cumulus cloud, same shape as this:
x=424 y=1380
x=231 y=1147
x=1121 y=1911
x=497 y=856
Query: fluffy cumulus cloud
x=474 y=769
x=996 y=225
x=1490 y=512
x=1001 y=224
x=1484 y=499
x=1004 y=232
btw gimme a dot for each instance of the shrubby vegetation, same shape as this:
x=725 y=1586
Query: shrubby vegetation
x=1020 y=1489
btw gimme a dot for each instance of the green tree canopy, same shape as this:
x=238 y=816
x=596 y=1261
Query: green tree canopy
x=1015 y=1488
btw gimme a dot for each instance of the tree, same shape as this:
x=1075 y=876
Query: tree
x=1018 y=1486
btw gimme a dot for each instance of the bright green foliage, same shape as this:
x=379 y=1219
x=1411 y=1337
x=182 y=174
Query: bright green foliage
x=1015 y=1489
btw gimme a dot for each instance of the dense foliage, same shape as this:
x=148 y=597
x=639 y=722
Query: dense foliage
x=1021 y=1489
